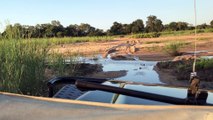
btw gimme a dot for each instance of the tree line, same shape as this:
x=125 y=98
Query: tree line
x=56 y=29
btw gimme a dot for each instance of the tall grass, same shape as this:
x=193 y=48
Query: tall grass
x=61 y=65
x=145 y=35
x=173 y=48
x=185 y=32
x=69 y=40
x=22 y=66
x=24 y=62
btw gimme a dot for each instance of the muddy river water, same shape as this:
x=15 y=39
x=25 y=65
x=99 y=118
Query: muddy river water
x=137 y=70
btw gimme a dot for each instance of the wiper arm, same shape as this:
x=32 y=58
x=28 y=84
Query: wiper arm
x=144 y=84
x=69 y=80
x=144 y=95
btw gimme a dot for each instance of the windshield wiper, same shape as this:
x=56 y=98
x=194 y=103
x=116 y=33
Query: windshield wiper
x=144 y=95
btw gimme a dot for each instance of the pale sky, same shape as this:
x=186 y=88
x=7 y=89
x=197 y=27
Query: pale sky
x=102 y=13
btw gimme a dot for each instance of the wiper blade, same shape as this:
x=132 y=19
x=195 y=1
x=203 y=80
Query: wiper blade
x=143 y=83
x=144 y=95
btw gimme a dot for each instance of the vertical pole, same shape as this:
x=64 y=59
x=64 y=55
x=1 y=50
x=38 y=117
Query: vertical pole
x=195 y=40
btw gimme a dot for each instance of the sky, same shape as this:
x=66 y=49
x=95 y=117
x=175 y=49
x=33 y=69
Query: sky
x=102 y=13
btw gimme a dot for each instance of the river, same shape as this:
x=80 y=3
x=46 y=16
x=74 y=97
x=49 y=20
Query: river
x=137 y=70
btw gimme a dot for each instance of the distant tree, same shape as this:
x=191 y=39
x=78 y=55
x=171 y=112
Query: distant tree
x=137 y=26
x=46 y=30
x=202 y=26
x=1 y=35
x=211 y=23
x=37 y=33
x=13 y=32
x=96 y=32
x=166 y=27
x=116 y=29
x=153 y=24
x=127 y=28
x=85 y=29
x=191 y=27
x=182 y=26
x=176 y=26
x=71 y=30
x=59 y=34
x=173 y=26
x=29 y=31
x=56 y=27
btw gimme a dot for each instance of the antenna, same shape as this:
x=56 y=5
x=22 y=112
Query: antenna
x=195 y=39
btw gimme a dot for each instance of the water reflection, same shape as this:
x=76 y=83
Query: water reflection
x=138 y=71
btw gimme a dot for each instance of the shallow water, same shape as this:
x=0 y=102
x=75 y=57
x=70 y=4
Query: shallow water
x=137 y=70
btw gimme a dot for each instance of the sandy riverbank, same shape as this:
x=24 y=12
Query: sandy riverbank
x=145 y=48
x=149 y=49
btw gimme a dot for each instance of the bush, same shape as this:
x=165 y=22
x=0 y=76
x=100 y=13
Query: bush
x=208 y=30
x=173 y=49
x=204 y=64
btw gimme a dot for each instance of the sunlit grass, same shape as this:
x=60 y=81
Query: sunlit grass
x=23 y=65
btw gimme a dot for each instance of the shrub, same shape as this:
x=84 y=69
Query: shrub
x=204 y=64
x=173 y=49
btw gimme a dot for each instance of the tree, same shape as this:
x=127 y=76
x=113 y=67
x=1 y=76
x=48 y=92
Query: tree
x=96 y=32
x=176 y=26
x=71 y=30
x=137 y=26
x=47 y=30
x=173 y=26
x=1 y=35
x=153 y=24
x=127 y=28
x=56 y=28
x=211 y=23
x=202 y=26
x=85 y=29
x=182 y=26
x=116 y=29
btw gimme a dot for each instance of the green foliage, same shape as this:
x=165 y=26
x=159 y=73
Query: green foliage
x=137 y=26
x=173 y=48
x=200 y=31
x=146 y=35
x=61 y=66
x=202 y=26
x=209 y=30
x=68 y=40
x=23 y=66
x=204 y=64
x=177 y=26
x=153 y=24
x=211 y=23
x=185 y=32
x=55 y=29
x=116 y=29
